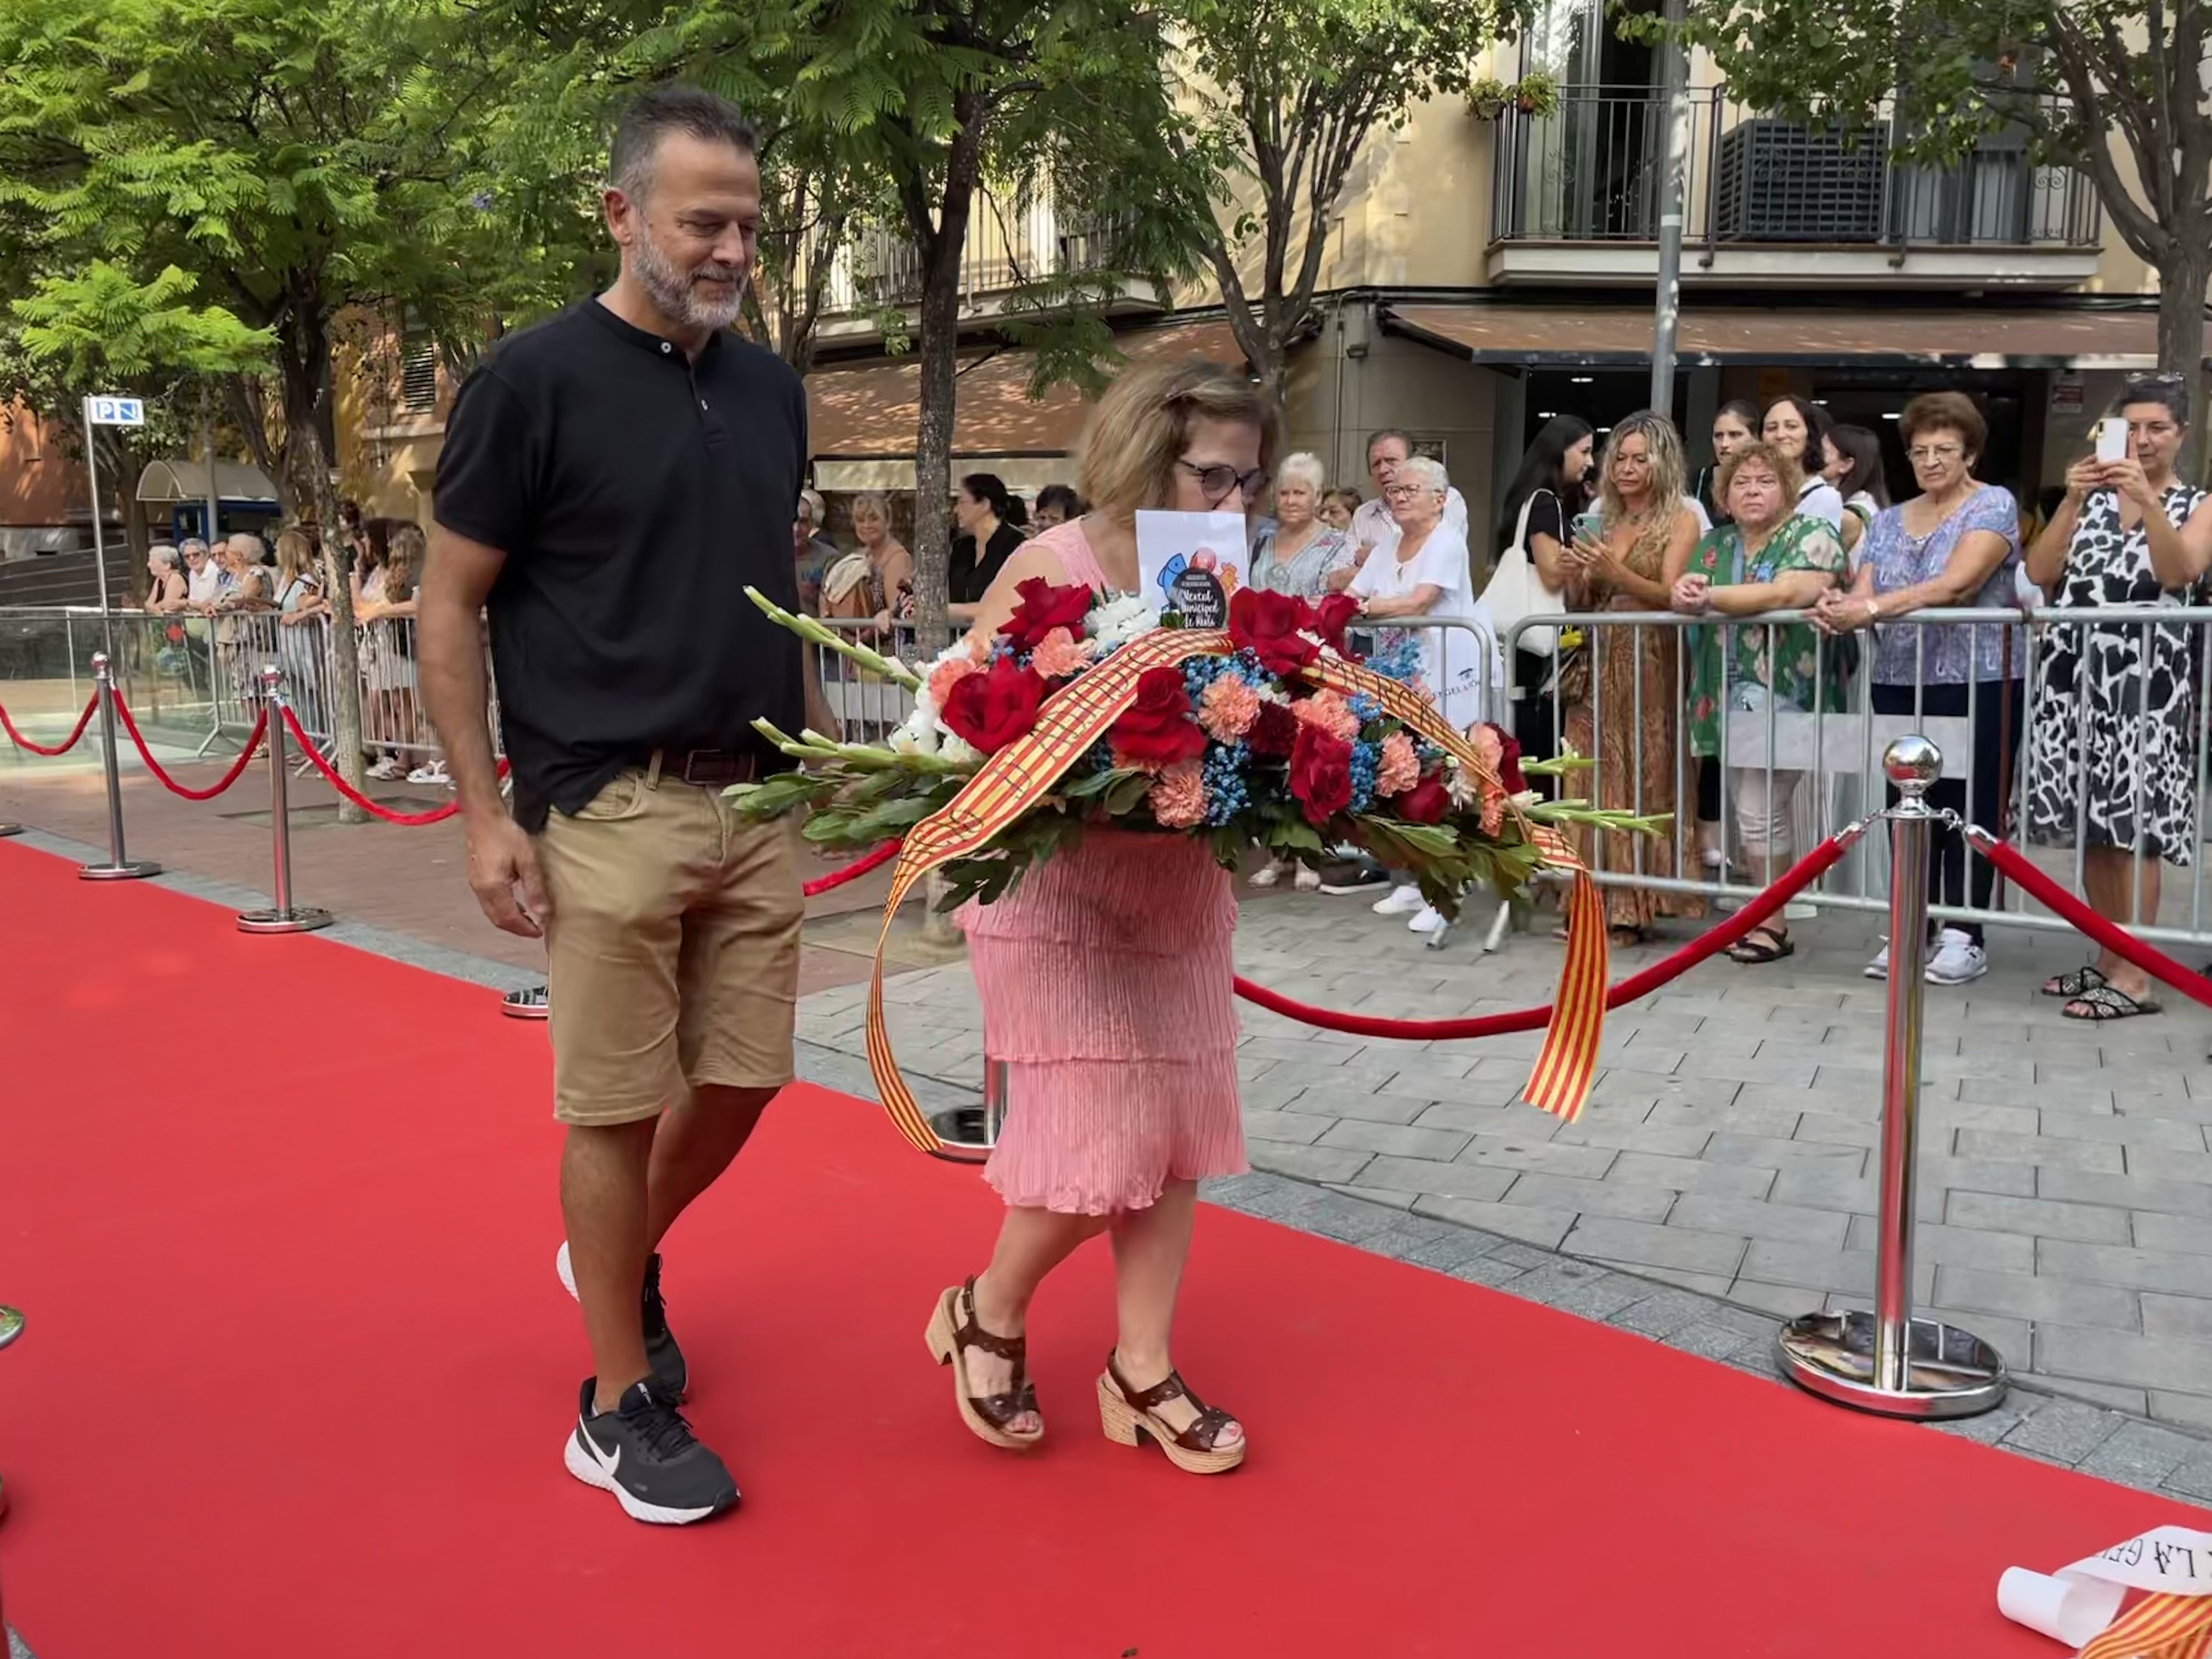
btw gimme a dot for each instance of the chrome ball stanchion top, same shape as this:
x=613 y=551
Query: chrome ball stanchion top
x=969 y=1132
x=1887 y=1361
x=11 y=1327
x=6 y=828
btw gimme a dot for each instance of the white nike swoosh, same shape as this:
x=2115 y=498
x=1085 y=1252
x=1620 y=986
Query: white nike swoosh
x=608 y=1463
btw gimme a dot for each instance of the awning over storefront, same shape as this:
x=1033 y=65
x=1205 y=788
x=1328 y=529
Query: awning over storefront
x=1975 y=337
x=170 y=481
x=862 y=415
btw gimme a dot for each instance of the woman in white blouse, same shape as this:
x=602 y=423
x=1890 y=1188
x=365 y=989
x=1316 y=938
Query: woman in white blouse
x=1799 y=428
x=1424 y=574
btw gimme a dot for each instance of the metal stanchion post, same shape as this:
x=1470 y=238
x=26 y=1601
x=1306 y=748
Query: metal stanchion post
x=283 y=918
x=119 y=865
x=969 y=1132
x=7 y=829
x=1887 y=1361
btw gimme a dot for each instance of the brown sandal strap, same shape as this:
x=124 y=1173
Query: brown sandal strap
x=1200 y=1435
x=999 y=1410
x=970 y=1334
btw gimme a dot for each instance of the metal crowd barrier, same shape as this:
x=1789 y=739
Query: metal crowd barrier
x=1828 y=763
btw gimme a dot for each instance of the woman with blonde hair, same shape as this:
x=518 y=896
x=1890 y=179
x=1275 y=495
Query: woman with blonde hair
x=1630 y=559
x=1105 y=979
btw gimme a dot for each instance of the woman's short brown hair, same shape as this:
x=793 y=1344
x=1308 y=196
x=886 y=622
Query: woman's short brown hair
x=1946 y=411
x=1143 y=424
x=1765 y=454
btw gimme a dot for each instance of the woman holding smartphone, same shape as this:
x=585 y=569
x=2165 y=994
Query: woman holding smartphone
x=2113 y=749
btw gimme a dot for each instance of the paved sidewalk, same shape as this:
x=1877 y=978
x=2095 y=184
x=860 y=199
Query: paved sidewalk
x=2066 y=1173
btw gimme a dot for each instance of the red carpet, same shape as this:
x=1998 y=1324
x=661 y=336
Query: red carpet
x=297 y=1373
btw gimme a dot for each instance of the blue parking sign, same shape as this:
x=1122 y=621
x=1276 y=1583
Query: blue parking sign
x=115 y=411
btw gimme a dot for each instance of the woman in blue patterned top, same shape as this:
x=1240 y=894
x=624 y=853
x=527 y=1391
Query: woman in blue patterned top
x=1956 y=544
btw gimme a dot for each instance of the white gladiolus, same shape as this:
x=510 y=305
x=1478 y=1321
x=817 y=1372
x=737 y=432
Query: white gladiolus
x=957 y=750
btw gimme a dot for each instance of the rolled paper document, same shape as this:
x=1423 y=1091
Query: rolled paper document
x=2077 y=1605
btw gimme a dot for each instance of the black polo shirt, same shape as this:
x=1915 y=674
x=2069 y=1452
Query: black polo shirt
x=636 y=495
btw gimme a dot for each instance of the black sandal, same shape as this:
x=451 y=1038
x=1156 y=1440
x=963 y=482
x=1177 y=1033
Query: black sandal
x=1130 y=1418
x=2105 y=1002
x=2078 y=983
x=953 y=1328
x=1760 y=945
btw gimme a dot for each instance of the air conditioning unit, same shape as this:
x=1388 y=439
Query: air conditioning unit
x=1782 y=182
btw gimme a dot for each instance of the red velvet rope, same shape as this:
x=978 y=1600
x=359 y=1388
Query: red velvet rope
x=2110 y=934
x=237 y=766
x=68 y=743
x=437 y=815
x=853 y=871
x=1801 y=874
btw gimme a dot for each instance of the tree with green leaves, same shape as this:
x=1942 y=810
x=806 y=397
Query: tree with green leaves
x=298 y=161
x=100 y=331
x=1284 y=96
x=2118 y=89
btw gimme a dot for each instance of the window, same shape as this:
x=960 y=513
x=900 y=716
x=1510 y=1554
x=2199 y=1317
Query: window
x=418 y=368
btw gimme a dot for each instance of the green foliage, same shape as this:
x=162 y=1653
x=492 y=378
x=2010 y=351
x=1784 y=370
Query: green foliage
x=1279 y=101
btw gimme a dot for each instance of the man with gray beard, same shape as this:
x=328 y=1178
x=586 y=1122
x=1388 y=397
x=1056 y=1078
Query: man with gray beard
x=613 y=480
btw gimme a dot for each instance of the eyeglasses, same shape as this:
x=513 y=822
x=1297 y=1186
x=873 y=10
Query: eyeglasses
x=1215 y=481
x=1406 y=492
x=1926 y=453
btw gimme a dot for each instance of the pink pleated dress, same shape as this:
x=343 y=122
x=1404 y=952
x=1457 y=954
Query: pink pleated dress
x=1105 y=983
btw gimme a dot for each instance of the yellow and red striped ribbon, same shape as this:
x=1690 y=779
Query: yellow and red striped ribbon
x=2158 y=1627
x=1015 y=778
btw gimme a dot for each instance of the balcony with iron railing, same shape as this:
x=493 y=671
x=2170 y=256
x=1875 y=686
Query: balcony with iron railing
x=1012 y=244
x=1577 y=197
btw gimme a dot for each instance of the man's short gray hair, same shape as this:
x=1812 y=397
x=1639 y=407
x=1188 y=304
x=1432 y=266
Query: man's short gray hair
x=186 y=546
x=659 y=110
x=1427 y=471
x=1304 y=468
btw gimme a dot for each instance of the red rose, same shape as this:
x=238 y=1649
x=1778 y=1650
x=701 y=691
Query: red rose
x=1426 y=802
x=1508 y=760
x=1272 y=627
x=1159 y=728
x=1330 y=617
x=1275 y=733
x=992 y=708
x=1043 y=608
x=1320 y=774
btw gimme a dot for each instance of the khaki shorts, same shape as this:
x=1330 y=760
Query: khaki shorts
x=672 y=950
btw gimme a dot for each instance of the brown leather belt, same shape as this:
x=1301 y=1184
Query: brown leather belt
x=710 y=768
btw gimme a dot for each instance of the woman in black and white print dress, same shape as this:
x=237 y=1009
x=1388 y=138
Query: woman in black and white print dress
x=2115 y=705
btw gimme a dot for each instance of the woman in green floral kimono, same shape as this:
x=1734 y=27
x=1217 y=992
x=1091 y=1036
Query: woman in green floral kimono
x=1769 y=559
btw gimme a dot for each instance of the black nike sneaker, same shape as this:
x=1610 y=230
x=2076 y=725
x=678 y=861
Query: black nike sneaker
x=644 y=1454
x=660 y=1350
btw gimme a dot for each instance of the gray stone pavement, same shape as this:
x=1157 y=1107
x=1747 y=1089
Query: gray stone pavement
x=2066 y=1174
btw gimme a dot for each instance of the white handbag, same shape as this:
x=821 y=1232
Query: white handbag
x=1516 y=591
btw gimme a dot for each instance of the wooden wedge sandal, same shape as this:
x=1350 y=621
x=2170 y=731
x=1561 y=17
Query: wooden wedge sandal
x=1130 y=1416
x=954 y=1327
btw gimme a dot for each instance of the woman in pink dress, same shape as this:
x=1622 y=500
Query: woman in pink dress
x=1105 y=983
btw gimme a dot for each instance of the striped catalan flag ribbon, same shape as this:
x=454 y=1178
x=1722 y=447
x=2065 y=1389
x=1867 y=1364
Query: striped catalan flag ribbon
x=2158 y=1627
x=1018 y=776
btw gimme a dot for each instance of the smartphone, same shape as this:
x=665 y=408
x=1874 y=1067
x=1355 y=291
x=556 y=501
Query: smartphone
x=1589 y=526
x=2112 y=440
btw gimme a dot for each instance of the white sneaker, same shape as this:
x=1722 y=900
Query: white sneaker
x=386 y=768
x=433 y=773
x=1959 y=958
x=1267 y=875
x=1400 y=901
x=1307 y=880
x=1429 y=920
x=1879 y=968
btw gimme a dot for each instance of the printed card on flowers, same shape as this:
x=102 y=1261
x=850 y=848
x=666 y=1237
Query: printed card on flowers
x=1191 y=564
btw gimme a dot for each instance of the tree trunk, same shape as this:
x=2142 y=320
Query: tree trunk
x=308 y=465
x=2181 y=283
x=943 y=246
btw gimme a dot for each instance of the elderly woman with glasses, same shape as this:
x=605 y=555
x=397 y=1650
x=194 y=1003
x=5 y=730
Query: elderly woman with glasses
x=1956 y=543
x=2112 y=760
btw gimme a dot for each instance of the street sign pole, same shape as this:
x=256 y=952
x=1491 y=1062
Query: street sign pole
x=99 y=538
x=104 y=411
x=1674 y=144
